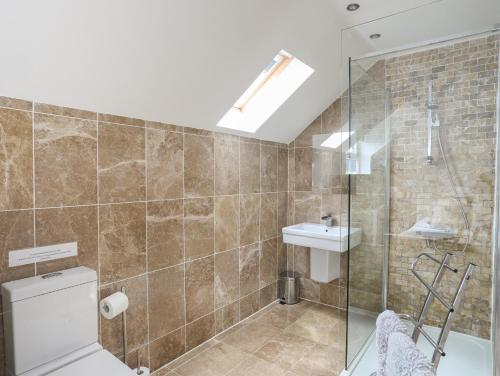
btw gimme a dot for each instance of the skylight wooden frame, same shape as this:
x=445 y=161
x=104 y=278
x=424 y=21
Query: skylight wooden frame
x=275 y=71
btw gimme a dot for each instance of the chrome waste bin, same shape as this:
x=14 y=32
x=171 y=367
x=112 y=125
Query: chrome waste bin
x=289 y=288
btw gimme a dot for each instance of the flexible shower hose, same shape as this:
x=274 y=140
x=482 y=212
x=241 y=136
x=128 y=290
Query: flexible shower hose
x=457 y=197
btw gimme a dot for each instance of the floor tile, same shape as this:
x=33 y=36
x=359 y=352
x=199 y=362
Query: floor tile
x=216 y=361
x=251 y=337
x=254 y=366
x=320 y=361
x=279 y=317
x=317 y=325
x=192 y=354
x=281 y=340
x=285 y=350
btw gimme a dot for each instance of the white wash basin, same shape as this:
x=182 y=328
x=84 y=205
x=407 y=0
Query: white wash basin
x=319 y=236
x=326 y=243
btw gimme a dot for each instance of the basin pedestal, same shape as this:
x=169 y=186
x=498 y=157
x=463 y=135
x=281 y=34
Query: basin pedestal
x=325 y=265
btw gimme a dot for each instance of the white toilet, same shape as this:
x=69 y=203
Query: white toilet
x=50 y=325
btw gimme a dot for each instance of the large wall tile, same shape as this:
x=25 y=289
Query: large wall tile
x=121 y=163
x=282 y=210
x=282 y=169
x=282 y=256
x=199 y=331
x=227 y=316
x=302 y=260
x=122 y=241
x=309 y=289
x=16 y=159
x=249 y=218
x=227 y=164
x=226 y=278
x=307 y=207
x=164 y=164
x=16 y=232
x=249 y=268
x=306 y=137
x=16 y=104
x=227 y=212
x=199 y=227
x=269 y=168
x=165 y=233
x=137 y=325
x=199 y=288
x=64 y=111
x=64 y=225
x=291 y=169
x=268 y=294
x=249 y=167
x=163 y=126
x=197 y=131
x=268 y=262
x=249 y=304
x=330 y=294
x=332 y=117
x=167 y=348
x=166 y=301
x=142 y=353
x=123 y=120
x=71 y=180
x=268 y=215
x=153 y=207
x=303 y=169
x=198 y=166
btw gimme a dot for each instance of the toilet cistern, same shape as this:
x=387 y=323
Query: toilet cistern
x=51 y=326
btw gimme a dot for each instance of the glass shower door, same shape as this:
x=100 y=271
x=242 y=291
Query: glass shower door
x=367 y=168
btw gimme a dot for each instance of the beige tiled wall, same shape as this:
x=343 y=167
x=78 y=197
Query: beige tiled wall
x=316 y=189
x=188 y=221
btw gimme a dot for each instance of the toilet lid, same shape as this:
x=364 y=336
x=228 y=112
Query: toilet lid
x=100 y=363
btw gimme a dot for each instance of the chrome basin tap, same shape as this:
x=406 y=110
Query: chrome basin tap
x=328 y=220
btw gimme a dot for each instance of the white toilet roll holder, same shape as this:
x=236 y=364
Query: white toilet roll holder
x=125 y=347
x=125 y=341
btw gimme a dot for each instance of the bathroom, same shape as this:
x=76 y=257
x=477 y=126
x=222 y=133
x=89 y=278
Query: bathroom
x=176 y=202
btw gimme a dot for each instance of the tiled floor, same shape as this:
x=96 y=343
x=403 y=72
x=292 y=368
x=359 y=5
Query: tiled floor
x=305 y=339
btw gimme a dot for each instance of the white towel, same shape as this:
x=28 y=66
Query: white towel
x=404 y=359
x=387 y=323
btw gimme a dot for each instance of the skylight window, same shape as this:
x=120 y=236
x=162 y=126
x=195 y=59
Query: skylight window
x=277 y=82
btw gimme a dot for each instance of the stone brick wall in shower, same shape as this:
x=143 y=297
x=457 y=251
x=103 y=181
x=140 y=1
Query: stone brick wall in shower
x=187 y=220
x=465 y=82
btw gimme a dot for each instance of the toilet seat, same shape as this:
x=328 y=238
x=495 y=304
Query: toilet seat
x=100 y=363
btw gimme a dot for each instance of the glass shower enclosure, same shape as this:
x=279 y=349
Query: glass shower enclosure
x=367 y=161
x=420 y=164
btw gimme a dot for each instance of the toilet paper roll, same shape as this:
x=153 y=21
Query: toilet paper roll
x=113 y=305
x=143 y=371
